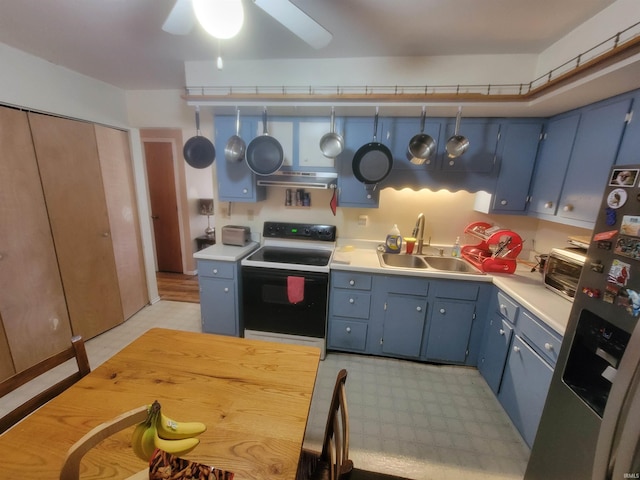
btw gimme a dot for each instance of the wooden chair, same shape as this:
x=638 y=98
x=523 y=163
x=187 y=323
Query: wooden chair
x=76 y=350
x=333 y=462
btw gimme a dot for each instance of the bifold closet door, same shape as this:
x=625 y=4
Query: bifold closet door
x=117 y=175
x=35 y=322
x=67 y=155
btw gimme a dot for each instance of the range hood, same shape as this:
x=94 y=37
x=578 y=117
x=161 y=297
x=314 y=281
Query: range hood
x=320 y=180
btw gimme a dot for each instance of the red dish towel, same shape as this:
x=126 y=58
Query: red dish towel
x=295 y=289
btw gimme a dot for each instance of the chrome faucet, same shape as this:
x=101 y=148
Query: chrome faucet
x=418 y=233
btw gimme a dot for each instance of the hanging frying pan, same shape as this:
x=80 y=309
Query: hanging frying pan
x=264 y=153
x=198 y=151
x=372 y=161
x=421 y=146
x=235 y=148
x=332 y=143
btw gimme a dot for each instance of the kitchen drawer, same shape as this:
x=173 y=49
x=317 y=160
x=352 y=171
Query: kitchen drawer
x=207 y=268
x=541 y=339
x=344 y=334
x=457 y=290
x=508 y=308
x=354 y=304
x=408 y=286
x=356 y=281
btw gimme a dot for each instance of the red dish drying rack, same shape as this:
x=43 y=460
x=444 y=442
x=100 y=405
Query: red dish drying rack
x=497 y=250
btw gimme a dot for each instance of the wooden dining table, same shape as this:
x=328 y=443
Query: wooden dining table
x=253 y=396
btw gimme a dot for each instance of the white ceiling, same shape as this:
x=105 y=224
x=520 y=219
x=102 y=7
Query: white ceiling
x=121 y=42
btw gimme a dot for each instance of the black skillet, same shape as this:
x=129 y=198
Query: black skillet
x=372 y=161
x=264 y=153
x=198 y=151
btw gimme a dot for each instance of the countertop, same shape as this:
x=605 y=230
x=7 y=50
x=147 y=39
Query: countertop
x=524 y=286
x=226 y=253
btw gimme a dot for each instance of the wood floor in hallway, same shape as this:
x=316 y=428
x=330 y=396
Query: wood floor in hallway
x=178 y=287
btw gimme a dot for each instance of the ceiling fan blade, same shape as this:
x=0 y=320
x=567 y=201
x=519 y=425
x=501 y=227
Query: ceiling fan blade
x=181 y=19
x=297 y=21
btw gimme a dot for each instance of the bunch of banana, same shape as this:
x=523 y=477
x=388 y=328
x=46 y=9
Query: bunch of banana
x=159 y=431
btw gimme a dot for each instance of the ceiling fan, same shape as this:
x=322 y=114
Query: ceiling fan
x=181 y=20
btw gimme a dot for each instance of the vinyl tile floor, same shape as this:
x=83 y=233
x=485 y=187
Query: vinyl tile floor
x=420 y=421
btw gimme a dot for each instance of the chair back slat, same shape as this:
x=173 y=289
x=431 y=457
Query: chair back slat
x=77 y=350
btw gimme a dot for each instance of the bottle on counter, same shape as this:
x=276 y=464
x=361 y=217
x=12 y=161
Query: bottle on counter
x=455 y=250
x=393 y=244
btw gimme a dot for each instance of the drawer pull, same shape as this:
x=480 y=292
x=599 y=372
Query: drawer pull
x=226 y=289
x=215 y=271
x=419 y=309
x=548 y=346
x=351 y=300
x=443 y=311
x=352 y=282
x=516 y=349
x=348 y=329
x=501 y=332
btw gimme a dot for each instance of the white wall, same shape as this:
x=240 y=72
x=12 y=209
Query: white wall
x=613 y=19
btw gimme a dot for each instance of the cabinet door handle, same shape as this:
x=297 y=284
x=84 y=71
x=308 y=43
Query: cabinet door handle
x=348 y=329
x=419 y=309
x=501 y=332
x=548 y=205
x=548 y=346
x=226 y=289
x=443 y=311
x=215 y=271
x=105 y=234
x=503 y=202
x=568 y=208
x=352 y=282
x=245 y=190
x=351 y=300
x=516 y=349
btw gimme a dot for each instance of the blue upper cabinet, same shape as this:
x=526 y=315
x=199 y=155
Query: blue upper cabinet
x=483 y=141
x=236 y=181
x=517 y=149
x=553 y=160
x=578 y=150
x=594 y=152
x=630 y=147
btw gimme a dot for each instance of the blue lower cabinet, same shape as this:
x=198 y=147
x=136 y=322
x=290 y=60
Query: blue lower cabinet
x=220 y=297
x=404 y=319
x=524 y=388
x=494 y=351
x=450 y=331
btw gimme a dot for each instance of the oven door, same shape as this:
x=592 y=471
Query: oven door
x=266 y=305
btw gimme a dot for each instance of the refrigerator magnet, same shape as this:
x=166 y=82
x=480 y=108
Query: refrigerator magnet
x=619 y=273
x=617 y=198
x=623 y=177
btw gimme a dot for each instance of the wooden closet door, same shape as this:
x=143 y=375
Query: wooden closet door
x=67 y=155
x=117 y=176
x=32 y=304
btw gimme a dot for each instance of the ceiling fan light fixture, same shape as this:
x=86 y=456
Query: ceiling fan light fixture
x=220 y=18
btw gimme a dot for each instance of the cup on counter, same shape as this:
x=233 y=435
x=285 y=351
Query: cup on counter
x=410 y=242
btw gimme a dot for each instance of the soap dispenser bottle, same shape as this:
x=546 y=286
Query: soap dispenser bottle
x=393 y=243
x=455 y=250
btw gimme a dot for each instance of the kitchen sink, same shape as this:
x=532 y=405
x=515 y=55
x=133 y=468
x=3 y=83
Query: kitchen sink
x=451 y=264
x=447 y=264
x=402 y=261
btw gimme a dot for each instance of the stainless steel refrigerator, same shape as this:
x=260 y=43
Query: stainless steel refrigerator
x=590 y=425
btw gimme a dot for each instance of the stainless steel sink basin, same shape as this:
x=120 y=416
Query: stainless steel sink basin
x=451 y=264
x=446 y=264
x=402 y=261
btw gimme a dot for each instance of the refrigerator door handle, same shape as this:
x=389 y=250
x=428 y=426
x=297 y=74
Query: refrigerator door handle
x=627 y=461
x=616 y=412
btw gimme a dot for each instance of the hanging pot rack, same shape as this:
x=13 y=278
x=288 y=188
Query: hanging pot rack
x=614 y=49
